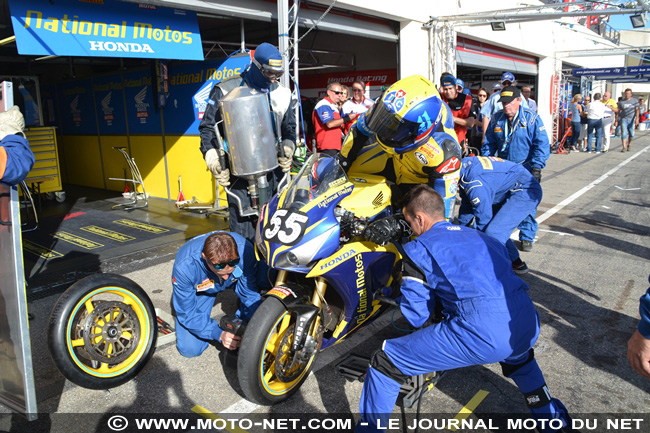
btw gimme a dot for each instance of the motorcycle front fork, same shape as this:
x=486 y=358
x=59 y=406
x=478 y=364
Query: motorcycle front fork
x=317 y=300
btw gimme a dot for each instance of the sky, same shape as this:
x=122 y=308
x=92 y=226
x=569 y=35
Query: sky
x=621 y=22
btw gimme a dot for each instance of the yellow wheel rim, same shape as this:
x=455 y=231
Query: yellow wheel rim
x=275 y=343
x=111 y=331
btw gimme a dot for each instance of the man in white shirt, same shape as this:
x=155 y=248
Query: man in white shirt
x=595 y=114
x=525 y=91
x=358 y=103
x=611 y=107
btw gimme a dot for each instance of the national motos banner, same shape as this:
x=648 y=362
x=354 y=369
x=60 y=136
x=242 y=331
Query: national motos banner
x=104 y=28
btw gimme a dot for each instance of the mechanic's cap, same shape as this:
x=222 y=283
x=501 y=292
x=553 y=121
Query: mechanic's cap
x=496 y=86
x=460 y=83
x=508 y=94
x=508 y=76
x=448 y=80
x=269 y=60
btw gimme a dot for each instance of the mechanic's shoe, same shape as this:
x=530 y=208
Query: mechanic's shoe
x=521 y=268
x=526 y=246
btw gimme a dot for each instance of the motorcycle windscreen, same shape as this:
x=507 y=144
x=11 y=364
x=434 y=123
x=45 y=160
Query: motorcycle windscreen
x=17 y=390
x=316 y=177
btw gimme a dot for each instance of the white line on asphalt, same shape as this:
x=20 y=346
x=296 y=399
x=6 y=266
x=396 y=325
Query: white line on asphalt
x=555 y=209
x=557 y=233
x=606 y=207
x=627 y=189
x=323 y=359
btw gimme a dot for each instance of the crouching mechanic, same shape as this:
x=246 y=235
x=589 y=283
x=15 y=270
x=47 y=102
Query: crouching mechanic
x=407 y=137
x=518 y=134
x=205 y=266
x=497 y=195
x=490 y=317
x=262 y=75
x=16 y=157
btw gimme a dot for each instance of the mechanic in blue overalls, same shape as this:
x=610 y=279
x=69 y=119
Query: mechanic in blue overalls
x=489 y=315
x=638 y=348
x=518 y=135
x=205 y=266
x=16 y=157
x=497 y=195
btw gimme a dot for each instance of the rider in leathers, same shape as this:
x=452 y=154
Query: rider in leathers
x=409 y=139
x=261 y=74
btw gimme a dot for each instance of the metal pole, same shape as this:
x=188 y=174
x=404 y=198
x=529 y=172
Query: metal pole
x=241 y=35
x=294 y=22
x=283 y=38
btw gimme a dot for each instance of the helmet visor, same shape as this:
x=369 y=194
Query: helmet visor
x=390 y=129
x=270 y=72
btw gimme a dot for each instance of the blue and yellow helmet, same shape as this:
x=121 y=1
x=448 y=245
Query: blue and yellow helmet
x=406 y=115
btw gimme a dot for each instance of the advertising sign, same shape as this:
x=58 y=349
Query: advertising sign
x=110 y=105
x=105 y=28
x=598 y=71
x=189 y=91
x=314 y=85
x=141 y=112
x=76 y=108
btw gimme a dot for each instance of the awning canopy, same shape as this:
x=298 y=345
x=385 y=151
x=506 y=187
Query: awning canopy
x=486 y=56
x=335 y=21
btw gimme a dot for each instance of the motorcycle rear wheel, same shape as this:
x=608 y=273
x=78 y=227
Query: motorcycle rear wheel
x=263 y=353
x=102 y=331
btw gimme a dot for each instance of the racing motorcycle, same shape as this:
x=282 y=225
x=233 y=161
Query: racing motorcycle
x=330 y=281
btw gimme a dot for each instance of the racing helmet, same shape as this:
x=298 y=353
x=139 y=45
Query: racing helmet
x=406 y=115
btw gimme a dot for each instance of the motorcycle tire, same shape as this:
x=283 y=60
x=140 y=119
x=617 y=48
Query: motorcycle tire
x=102 y=331
x=269 y=331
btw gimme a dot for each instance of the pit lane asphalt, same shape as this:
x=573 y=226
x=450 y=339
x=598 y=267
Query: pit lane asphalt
x=588 y=268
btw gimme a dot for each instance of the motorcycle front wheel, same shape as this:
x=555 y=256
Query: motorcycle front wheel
x=102 y=331
x=265 y=369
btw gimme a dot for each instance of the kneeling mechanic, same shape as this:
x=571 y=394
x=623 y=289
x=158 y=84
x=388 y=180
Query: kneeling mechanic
x=489 y=315
x=205 y=266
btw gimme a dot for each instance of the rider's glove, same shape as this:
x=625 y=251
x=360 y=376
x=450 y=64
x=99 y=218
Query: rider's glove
x=537 y=173
x=386 y=229
x=220 y=174
x=286 y=160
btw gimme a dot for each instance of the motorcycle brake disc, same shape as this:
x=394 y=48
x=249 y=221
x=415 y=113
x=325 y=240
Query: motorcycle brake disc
x=104 y=332
x=287 y=367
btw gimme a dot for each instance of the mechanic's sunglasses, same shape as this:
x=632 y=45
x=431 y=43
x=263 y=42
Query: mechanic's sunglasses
x=231 y=263
x=338 y=93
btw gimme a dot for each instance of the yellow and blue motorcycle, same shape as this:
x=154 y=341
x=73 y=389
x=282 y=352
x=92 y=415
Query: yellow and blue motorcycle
x=330 y=281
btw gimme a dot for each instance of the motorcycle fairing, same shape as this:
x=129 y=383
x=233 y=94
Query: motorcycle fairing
x=371 y=197
x=321 y=236
x=356 y=277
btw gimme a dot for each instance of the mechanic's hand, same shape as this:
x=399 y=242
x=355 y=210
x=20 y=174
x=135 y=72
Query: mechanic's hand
x=223 y=177
x=537 y=173
x=212 y=161
x=11 y=122
x=638 y=354
x=285 y=161
x=383 y=231
x=230 y=341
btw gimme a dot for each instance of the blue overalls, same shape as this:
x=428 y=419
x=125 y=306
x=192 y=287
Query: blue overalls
x=499 y=194
x=16 y=159
x=526 y=143
x=490 y=318
x=196 y=287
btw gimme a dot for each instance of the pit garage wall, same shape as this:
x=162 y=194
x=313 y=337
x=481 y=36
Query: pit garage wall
x=95 y=115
